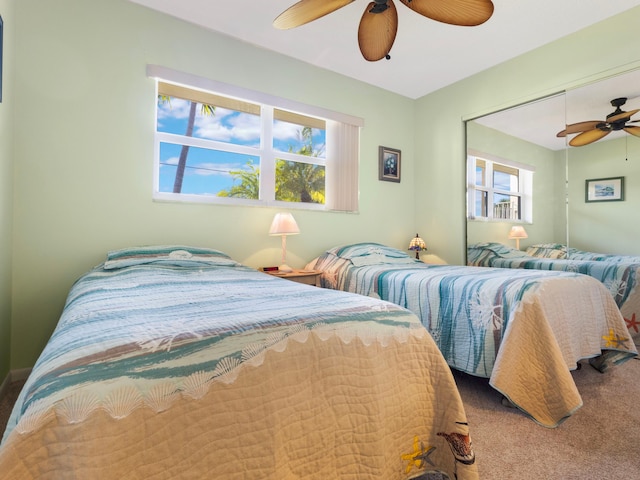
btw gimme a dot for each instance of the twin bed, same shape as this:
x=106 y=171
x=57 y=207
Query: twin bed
x=620 y=274
x=524 y=330
x=178 y=362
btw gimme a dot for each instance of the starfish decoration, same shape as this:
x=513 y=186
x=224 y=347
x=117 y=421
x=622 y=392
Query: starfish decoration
x=419 y=456
x=632 y=323
x=614 y=340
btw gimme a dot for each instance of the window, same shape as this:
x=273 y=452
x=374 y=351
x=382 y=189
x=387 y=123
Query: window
x=498 y=189
x=220 y=144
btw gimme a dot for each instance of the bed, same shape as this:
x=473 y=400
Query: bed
x=619 y=274
x=175 y=362
x=561 y=251
x=523 y=330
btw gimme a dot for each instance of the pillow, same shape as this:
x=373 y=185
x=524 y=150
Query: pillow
x=178 y=255
x=371 y=254
x=547 y=250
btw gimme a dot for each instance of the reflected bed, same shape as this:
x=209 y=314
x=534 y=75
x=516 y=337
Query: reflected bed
x=619 y=274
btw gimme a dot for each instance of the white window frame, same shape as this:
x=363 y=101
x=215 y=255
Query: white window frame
x=525 y=187
x=341 y=162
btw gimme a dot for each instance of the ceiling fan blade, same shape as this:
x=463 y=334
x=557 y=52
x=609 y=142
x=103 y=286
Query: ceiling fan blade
x=467 y=13
x=633 y=130
x=306 y=11
x=588 y=137
x=578 y=127
x=622 y=116
x=377 y=31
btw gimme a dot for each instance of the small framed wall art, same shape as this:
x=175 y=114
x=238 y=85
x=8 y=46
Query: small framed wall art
x=389 y=162
x=604 y=189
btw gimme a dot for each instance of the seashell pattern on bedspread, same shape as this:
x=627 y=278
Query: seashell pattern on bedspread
x=524 y=330
x=620 y=274
x=176 y=370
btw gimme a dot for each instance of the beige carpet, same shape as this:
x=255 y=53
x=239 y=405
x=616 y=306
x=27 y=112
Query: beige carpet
x=599 y=442
x=6 y=403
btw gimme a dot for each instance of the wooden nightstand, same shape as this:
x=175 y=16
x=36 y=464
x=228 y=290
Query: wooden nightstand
x=309 y=277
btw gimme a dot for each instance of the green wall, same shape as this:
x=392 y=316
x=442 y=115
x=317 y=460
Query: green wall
x=84 y=125
x=608 y=227
x=82 y=147
x=584 y=56
x=6 y=185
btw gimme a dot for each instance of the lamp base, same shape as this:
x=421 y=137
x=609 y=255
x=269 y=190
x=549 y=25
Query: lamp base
x=285 y=268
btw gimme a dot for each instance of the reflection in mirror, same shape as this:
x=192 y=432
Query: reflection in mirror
x=560 y=211
x=522 y=138
x=605 y=226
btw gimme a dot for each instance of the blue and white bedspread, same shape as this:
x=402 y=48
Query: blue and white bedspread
x=177 y=362
x=619 y=276
x=525 y=330
x=558 y=250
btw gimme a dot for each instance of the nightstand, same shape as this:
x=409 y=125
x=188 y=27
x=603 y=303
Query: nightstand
x=308 y=277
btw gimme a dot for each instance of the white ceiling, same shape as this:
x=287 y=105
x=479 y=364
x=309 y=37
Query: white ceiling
x=539 y=122
x=426 y=56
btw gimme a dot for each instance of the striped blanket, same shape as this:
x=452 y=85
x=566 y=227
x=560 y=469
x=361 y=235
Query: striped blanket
x=174 y=362
x=620 y=277
x=524 y=330
x=558 y=250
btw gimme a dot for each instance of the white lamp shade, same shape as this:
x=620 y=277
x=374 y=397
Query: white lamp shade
x=518 y=231
x=284 y=224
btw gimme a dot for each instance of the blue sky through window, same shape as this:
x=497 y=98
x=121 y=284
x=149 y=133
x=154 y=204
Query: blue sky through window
x=207 y=170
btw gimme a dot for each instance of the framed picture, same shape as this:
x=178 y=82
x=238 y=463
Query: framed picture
x=389 y=164
x=604 y=189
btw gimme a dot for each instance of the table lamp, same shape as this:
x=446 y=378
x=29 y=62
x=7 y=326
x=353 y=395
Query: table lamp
x=517 y=232
x=418 y=245
x=284 y=224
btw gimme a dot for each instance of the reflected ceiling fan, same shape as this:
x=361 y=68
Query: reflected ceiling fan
x=593 y=130
x=379 y=22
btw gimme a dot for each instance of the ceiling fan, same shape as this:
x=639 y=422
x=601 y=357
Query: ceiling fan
x=379 y=22
x=593 y=130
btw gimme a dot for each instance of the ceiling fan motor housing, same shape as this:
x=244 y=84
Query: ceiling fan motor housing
x=620 y=123
x=379 y=7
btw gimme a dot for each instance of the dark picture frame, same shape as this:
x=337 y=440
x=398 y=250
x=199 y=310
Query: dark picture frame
x=1 y=45
x=389 y=163
x=604 y=190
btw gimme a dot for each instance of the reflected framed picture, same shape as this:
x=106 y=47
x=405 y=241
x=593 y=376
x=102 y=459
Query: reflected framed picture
x=604 y=189
x=389 y=162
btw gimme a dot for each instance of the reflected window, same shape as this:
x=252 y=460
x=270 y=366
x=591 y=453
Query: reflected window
x=497 y=190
